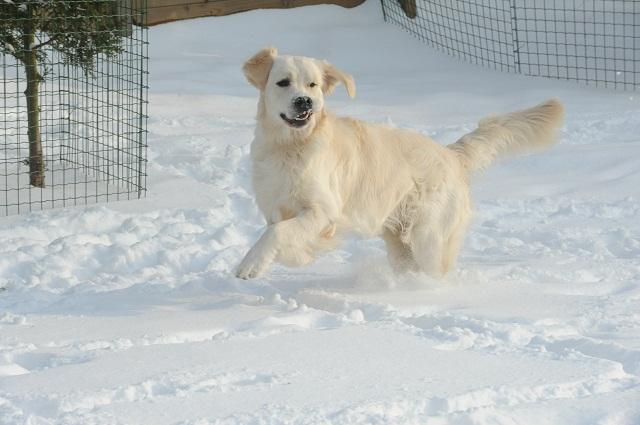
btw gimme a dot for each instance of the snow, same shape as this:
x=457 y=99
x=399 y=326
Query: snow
x=128 y=313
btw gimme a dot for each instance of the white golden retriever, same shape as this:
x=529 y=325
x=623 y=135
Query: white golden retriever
x=317 y=176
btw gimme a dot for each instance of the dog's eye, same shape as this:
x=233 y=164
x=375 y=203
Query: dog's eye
x=284 y=83
x=312 y=84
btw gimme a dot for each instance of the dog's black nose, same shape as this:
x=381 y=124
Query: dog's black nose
x=303 y=103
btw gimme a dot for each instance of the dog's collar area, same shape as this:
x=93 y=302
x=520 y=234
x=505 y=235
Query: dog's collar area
x=299 y=120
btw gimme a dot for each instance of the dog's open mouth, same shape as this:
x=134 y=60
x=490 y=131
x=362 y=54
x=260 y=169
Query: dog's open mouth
x=299 y=120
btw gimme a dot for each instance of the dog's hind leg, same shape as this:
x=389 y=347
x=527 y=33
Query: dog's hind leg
x=427 y=246
x=399 y=253
x=451 y=247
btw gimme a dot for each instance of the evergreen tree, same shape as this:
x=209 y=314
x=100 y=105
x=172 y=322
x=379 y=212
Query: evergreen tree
x=78 y=29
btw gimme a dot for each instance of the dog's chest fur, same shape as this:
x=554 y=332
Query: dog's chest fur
x=284 y=177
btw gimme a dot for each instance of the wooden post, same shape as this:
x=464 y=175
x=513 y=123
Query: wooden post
x=409 y=8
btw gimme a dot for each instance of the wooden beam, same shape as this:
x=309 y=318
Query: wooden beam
x=161 y=11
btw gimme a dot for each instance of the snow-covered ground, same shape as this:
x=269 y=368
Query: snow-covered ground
x=128 y=313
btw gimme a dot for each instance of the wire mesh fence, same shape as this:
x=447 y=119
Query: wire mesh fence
x=74 y=102
x=590 y=41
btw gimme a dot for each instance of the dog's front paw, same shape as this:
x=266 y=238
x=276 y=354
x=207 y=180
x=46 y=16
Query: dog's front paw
x=257 y=261
x=251 y=268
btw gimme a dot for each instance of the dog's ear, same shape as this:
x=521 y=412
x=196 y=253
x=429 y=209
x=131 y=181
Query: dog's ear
x=332 y=76
x=257 y=68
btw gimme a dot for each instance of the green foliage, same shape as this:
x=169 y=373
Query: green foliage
x=78 y=29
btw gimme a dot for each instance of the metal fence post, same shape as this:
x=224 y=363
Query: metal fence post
x=514 y=36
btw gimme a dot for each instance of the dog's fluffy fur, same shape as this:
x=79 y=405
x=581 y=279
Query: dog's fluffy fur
x=335 y=175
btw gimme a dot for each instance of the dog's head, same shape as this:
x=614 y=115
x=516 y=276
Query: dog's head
x=292 y=88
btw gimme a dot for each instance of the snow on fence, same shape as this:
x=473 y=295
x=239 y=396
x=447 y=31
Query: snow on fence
x=73 y=111
x=591 y=41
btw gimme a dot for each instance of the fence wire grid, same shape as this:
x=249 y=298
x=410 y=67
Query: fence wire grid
x=73 y=110
x=590 y=41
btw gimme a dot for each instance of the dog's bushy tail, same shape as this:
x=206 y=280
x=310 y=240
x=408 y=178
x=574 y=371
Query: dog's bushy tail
x=518 y=132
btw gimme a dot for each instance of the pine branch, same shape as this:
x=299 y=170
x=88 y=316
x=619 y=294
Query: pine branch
x=45 y=43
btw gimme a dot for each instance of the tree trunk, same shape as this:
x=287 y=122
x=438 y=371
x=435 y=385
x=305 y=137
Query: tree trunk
x=30 y=60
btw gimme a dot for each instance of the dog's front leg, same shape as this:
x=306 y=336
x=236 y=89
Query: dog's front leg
x=293 y=235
